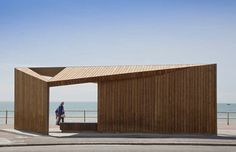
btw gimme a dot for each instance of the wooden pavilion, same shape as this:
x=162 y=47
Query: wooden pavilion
x=143 y=98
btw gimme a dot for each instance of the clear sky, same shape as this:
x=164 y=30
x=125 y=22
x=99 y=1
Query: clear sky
x=111 y=32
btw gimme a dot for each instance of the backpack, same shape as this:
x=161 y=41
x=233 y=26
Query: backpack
x=57 y=111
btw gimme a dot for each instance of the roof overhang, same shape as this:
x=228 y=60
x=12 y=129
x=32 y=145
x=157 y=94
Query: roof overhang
x=84 y=74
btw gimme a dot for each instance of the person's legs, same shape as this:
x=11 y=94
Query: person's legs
x=62 y=119
x=58 y=120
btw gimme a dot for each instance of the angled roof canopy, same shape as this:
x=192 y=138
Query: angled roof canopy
x=82 y=74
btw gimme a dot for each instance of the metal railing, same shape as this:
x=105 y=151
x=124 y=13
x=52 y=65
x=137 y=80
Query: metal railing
x=8 y=114
x=84 y=112
x=4 y=114
x=228 y=116
x=6 y=117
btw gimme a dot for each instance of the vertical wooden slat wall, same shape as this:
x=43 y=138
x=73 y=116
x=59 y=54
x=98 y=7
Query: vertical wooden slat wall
x=31 y=103
x=181 y=101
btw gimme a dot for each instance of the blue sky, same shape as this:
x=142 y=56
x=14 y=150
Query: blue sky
x=111 y=32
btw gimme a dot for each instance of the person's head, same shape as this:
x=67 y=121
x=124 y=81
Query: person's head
x=62 y=103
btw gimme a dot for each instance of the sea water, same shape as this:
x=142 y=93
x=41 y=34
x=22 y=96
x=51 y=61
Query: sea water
x=75 y=111
x=87 y=111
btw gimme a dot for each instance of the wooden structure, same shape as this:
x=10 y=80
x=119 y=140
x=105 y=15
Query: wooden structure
x=151 y=98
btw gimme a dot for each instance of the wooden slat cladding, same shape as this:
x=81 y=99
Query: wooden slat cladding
x=31 y=103
x=182 y=101
x=75 y=75
x=162 y=99
x=71 y=73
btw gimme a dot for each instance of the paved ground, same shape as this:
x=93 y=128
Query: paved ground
x=11 y=140
x=21 y=139
x=119 y=148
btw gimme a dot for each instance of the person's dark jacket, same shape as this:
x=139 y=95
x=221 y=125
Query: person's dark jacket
x=61 y=110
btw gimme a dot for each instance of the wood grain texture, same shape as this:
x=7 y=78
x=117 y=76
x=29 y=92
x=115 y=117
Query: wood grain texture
x=31 y=103
x=181 y=101
x=85 y=74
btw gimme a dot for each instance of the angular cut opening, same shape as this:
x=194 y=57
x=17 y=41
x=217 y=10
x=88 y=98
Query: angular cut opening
x=48 y=71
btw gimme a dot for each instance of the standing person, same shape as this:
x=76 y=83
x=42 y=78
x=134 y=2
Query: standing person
x=60 y=113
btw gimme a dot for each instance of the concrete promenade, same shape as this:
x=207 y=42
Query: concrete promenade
x=13 y=138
